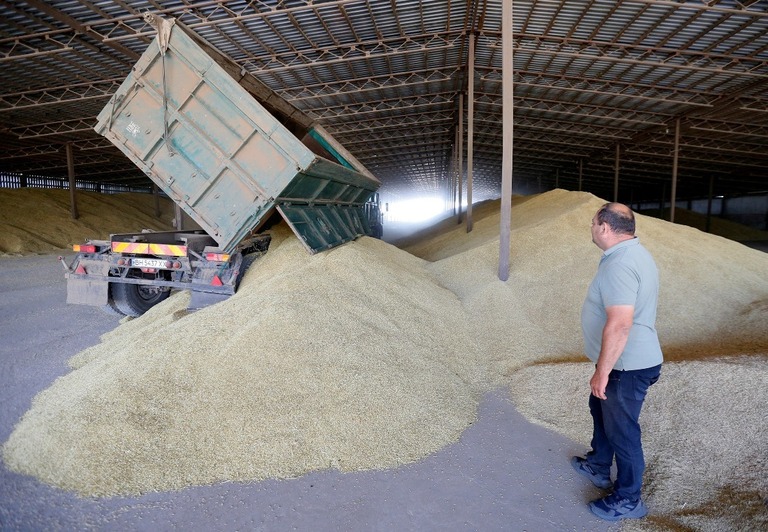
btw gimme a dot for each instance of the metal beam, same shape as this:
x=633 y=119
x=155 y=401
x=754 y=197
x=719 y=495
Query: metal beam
x=675 y=154
x=508 y=140
x=73 y=92
x=470 y=126
x=78 y=27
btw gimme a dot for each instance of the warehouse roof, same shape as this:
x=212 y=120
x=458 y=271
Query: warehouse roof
x=594 y=80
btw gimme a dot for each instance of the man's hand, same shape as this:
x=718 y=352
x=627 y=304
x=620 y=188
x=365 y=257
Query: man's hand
x=597 y=383
x=615 y=335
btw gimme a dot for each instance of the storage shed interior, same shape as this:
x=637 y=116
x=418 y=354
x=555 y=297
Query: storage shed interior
x=603 y=90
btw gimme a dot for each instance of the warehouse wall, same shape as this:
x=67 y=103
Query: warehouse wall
x=750 y=210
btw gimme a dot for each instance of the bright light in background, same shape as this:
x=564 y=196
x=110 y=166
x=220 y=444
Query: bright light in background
x=415 y=210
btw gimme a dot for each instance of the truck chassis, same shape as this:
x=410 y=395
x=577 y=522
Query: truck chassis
x=132 y=272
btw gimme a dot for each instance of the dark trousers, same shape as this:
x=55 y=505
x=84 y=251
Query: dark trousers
x=616 y=429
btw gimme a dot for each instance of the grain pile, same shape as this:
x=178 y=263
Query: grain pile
x=706 y=421
x=717 y=226
x=326 y=361
x=368 y=357
x=38 y=220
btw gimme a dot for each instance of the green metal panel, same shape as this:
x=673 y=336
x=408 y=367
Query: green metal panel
x=322 y=227
x=331 y=149
x=216 y=151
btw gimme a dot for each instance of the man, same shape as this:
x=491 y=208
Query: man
x=618 y=321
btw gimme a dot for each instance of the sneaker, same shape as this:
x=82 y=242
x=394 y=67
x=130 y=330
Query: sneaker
x=583 y=468
x=614 y=508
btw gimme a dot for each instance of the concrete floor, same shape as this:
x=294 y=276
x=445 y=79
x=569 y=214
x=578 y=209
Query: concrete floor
x=503 y=474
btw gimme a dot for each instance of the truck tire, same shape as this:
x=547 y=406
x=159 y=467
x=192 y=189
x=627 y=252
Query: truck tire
x=135 y=299
x=110 y=308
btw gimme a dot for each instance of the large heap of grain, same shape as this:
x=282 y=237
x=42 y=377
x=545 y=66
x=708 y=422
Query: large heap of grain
x=39 y=220
x=321 y=361
x=367 y=356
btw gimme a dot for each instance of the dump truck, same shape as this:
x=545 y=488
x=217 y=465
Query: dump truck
x=232 y=155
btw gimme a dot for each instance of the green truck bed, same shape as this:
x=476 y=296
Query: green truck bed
x=204 y=139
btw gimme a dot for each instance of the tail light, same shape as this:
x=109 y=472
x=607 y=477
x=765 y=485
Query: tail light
x=217 y=257
x=84 y=248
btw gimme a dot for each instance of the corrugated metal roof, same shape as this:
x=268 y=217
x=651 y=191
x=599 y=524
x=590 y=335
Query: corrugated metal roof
x=385 y=77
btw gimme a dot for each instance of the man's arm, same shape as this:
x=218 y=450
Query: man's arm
x=615 y=334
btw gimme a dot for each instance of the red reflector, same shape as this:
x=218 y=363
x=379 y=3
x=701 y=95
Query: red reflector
x=216 y=281
x=80 y=269
x=84 y=248
x=217 y=257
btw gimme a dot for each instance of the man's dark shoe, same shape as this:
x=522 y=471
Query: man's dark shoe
x=615 y=508
x=583 y=468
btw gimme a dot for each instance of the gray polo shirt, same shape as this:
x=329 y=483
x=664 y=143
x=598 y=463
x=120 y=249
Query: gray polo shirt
x=627 y=275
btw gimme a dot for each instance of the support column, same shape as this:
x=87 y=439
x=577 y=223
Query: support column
x=675 y=155
x=708 y=224
x=470 y=126
x=581 y=173
x=507 y=79
x=616 y=173
x=71 y=173
x=461 y=150
x=449 y=183
x=455 y=174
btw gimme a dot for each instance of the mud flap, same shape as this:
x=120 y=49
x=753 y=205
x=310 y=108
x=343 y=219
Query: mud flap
x=212 y=284
x=82 y=291
x=322 y=227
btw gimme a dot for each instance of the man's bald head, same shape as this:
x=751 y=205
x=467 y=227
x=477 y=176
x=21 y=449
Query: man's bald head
x=619 y=218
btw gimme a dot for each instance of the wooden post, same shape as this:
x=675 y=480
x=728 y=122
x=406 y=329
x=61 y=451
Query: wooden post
x=71 y=173
x=507 y=79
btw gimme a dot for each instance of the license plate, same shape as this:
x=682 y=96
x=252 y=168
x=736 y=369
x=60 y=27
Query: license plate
x=148 y=263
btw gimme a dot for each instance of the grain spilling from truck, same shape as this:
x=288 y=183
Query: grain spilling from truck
x=234 y=157
x=324 y=361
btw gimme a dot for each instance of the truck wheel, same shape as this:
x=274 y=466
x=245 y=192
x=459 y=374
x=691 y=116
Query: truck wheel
x=110 y=308
x=135 y=299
